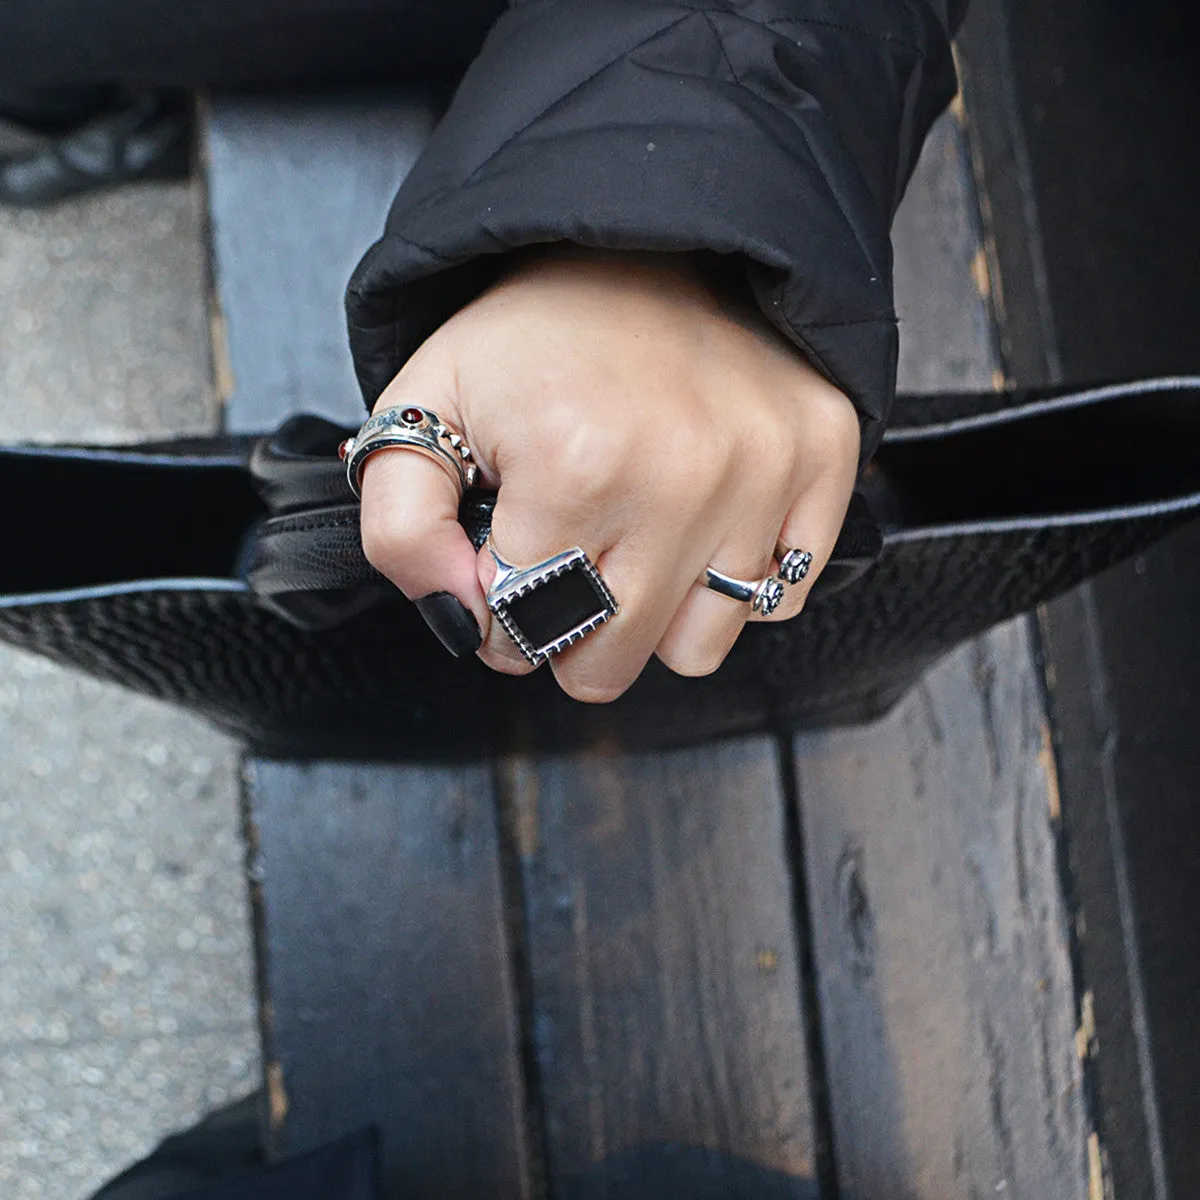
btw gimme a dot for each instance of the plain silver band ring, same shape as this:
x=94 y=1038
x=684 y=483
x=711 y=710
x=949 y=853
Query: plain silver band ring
x=763 y=595
x=726 y=585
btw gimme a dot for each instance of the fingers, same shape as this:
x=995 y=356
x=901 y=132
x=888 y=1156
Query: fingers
x=649 y=589
x=524 y=532
x=814 y=520
x=707 y=624
x=654 y=568
x=812 y=524
x=653 y=463
x=526 y=529
x=411 y=534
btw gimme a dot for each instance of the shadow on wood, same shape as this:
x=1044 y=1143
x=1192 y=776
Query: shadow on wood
x=657 y=1170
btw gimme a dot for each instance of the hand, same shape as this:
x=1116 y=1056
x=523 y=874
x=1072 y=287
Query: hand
x=620 y=404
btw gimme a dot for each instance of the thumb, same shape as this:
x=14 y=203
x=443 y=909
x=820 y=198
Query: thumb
x=411 y=534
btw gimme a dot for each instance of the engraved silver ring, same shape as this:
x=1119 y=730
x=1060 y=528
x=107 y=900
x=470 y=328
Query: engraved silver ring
x=410 y=427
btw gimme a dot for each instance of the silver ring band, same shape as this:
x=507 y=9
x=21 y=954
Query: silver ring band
x=763 y=595
x=409 y=428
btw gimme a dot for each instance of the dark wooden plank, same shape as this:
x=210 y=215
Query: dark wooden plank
x=1108 y=105
x=1125 y=664
x=1122 y=1055
x=941 y=274
x=298 y=189
x=1009 y=204
x=941 y=940
x=382 y=934
x=939 y=931
x=1105 y=109
x=386 y=969
x=667 y=1014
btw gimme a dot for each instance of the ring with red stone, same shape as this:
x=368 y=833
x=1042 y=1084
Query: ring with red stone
x=409 y=428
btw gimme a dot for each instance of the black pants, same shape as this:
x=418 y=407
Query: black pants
x=222 y=1146
x=220 y=1159
x=51 y=44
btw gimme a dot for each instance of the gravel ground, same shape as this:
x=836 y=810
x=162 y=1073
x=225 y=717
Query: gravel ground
x=126 y=1004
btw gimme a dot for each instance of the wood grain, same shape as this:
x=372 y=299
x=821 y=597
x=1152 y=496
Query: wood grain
x=383 y=948
x=941 y=274
x=662 y=1000
x=940 y=935
x=386 y=972
x=667 y=1014
x=298 y=188
x=1077 y=121
x=941 y=939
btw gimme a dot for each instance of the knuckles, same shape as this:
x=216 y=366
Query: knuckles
x=687 y=445
x=589 y=692
x=835 y=434
x=694 y=666
x=587 y=465
x=605 y=454
x=506 y=664
x=694 y=661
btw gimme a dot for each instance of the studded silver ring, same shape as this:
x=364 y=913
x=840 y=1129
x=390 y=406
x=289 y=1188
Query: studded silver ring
x=546 y=607
x=763 y=595
x=409 y=428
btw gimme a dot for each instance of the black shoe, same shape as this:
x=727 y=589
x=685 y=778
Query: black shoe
x=144 y=135
x=53 y=109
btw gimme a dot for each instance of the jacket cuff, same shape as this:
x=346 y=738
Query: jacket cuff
x=634 y=125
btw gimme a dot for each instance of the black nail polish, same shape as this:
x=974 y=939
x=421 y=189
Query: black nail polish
x=452 y=621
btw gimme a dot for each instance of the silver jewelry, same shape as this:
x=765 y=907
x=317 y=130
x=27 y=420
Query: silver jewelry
x=409 y=428
x=794 y=564
x=547 y=606
x=763 y=595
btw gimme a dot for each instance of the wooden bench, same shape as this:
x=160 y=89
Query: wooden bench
x=835 y=964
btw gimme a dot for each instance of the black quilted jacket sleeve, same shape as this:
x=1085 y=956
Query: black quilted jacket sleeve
x=781 y=131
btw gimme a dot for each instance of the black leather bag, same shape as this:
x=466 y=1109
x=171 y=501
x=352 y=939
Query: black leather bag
x=226 y=575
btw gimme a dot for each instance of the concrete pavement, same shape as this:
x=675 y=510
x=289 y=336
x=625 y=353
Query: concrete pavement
x=126 y=1004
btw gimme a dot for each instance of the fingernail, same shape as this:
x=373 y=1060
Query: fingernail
x=452 y=621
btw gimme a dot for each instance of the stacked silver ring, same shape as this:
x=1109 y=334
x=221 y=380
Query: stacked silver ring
x=413 y=428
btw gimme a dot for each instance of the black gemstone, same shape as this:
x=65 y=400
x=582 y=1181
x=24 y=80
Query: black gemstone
x=554 y=608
